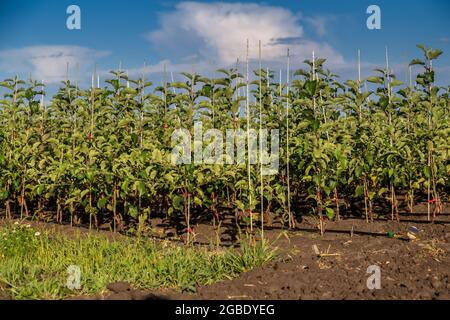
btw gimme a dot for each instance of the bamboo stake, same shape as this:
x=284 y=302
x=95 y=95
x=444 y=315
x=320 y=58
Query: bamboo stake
x=359 y=81
x=67 y=78
x=213 y=106
x=141 y=115
x=76 y=79
x=291 y=224
x=411 y=86
x=237 y=123
x=359 y=70
x=119 y=75
x=314 y=65
x=280 y=89
x=91 y=135
x=260 y=143
x=365 y=90
x=366 y=191
x=248 y=138
x=92 y=103
x=165 y=86
x=390 y=123
x=410 y=128
x=431 y=179
x=171 y=77
x=43 y=97
x=268 y=88
x=318 y=191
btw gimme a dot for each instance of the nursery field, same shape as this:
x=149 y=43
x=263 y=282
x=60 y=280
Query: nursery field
x=359 y=175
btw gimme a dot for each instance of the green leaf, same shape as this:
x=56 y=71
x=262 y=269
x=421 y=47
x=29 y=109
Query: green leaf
x=434 y=54
x=358 y=171
x=427 y=172
x=198 y=201
x=125 y=185
x=391 y=172
x=139 y=186
x=375 y=80
x=330 y=213
x=4 y=195
x=382 y=191
x=416 y=62
x=132 y=211
x=40 y=189
x=396 y=82
x=359 y=191
x=83 y=193
x=178 y=202
x=101 y=203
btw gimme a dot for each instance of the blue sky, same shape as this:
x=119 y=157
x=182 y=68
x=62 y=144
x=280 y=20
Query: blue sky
x=209 y=35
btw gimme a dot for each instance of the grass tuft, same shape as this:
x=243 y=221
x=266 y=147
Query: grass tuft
x=34 y=263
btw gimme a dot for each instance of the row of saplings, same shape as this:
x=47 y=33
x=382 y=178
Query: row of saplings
x=102 y=155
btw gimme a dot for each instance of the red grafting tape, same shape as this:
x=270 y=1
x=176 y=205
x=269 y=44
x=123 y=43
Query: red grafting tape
x=429 y=201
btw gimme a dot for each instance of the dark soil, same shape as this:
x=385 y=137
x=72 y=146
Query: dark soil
x=410 y=269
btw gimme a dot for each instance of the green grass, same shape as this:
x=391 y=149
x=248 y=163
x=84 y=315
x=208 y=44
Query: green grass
x=33 y=264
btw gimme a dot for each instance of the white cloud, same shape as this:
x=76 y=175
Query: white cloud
x=160 y=67
x=49 y=63
x=319 y=24
x=218 y=33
